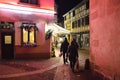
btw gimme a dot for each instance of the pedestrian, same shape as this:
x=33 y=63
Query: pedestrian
x=64 y=49
x=73 y=53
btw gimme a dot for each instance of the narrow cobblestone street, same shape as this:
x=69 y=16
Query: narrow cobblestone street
x=44 y=69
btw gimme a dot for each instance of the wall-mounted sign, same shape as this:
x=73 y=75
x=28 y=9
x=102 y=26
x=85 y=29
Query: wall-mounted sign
x=8 y=39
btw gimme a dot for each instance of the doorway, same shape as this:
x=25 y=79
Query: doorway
x=7 y=45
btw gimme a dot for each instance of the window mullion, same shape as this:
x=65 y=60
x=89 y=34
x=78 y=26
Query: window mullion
x=28 y=36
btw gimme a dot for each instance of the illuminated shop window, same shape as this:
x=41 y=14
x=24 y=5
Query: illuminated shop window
x=29 y=34
x=35 y=2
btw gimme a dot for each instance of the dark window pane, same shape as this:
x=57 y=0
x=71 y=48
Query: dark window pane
x=72 y=24
x=73 y=13
x=24 y=1
x=30 y=1
x=34 y=2
x=87 y=20
x=83 y=21
x=76 y=24
x=65 y=18
x=79 y=23
x=87 y=5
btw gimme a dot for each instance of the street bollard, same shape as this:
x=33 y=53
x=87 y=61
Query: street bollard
x=87 y=64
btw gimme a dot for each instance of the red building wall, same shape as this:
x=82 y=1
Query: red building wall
x=45 y=4
x=43 y=48
x=105 y=38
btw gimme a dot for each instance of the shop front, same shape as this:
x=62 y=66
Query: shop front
x=82 y=39
x=22 y=34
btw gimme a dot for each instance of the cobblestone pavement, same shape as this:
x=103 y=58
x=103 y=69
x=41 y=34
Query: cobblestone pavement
x=46 y=69
x=47 y=75
x=28 y=69
x=65 y=73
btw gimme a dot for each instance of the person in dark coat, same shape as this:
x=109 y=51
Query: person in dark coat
x=73 y=53
x=64 y=49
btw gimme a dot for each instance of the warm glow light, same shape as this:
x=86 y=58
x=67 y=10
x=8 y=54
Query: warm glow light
x=32 y=37
x=26 y=9
x=25 y=36
x=17 y=11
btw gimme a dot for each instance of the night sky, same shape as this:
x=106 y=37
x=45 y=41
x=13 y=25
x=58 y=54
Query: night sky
x=64 y=6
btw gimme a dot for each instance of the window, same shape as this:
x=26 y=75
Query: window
x=72 y=24
x=76 y=24
x=79 y=23
x=24 y=1
x=65 y=18
x=73 y=13
x=83 y=21
x=87 y=5
x=87 y=20
x=35 y=2
x=29 y=34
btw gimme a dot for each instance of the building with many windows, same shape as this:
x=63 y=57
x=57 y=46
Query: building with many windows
x=22 y=28
x=77 y=21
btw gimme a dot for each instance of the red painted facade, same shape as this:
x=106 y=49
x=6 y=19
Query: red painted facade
x=43 y=48
x=105 y=38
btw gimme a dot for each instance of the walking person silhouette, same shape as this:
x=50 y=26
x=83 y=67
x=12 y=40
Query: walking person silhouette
x=63 y=49
x=73 y=53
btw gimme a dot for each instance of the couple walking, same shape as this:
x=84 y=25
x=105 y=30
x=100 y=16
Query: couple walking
x=70 y=51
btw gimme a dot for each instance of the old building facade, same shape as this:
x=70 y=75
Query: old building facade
x=77 y=21
x=22 y=28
